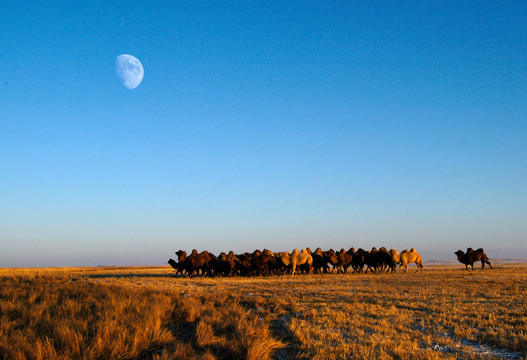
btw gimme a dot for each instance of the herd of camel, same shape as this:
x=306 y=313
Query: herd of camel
x=307 y=262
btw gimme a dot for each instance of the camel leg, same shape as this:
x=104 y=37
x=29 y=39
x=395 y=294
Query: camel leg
x=488 y=262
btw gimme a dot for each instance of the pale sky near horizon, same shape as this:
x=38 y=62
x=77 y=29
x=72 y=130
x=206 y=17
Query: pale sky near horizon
x=277 y=124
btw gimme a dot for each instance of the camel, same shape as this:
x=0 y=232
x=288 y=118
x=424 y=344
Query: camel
x=408 y=257
x=301 y=258
x=472 y=256
x=395 y=256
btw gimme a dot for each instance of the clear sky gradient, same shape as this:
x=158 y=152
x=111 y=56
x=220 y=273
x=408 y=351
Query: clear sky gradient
x=277 y=124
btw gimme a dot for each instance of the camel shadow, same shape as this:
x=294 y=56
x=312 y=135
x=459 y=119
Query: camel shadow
x=129 y=275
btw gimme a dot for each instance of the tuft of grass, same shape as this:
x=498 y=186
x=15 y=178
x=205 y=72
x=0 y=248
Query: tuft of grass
x=61 y=316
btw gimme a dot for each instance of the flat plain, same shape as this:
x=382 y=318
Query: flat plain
x=445 y=312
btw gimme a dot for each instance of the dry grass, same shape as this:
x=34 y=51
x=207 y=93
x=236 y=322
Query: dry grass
x=146 y=313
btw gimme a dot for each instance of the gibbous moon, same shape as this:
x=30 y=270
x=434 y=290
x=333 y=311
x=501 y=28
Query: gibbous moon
x=129 y=70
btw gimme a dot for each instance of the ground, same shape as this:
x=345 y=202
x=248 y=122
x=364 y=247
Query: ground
x=445 y=312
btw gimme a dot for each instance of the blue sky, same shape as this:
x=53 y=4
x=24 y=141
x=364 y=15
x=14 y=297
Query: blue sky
x=261 y=124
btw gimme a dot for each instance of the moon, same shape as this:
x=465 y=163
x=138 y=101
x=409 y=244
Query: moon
x=129 y=70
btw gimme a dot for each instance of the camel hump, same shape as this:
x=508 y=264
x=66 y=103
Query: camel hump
x=412 y=250
x=480 y=250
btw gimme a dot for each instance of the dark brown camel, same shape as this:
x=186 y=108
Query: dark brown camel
x=471 y=256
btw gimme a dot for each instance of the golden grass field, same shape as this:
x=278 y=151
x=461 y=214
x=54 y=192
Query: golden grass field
x=445 y=312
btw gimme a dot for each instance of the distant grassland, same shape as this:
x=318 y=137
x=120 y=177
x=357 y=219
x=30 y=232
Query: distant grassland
x=147 y=313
